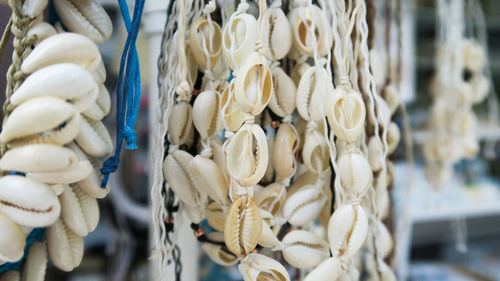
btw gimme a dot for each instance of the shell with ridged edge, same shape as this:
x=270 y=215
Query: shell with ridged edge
x=36 y=262
x=13 y=240
x=315 y=152
x=347 y=230
x=270 y=198
x=79 y=211
x=314 y=88
x=238 y=39
x=101 y=106
x=218 y=253
x=304 y=249
x=354 y=172
x=286 y=144
x=214 y=183
x=180 y=124
x=329 y=269
x=243 y=226
x=275 y=34
x=65 y=247
x=215 y=216
x=302 y=206
x=38 y=158
x=283 y=100
x=231 y=112
x=267 y=237
x=205 y=35
x=256 y=267
x=94 y=138
x=206 y=114
x=346 y=114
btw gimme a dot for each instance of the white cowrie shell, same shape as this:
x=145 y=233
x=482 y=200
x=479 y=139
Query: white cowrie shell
x=393 y=137
x=33 y=8
x=12 y=240
x=284 y=151
x=94 y=138
x=100 y=73
x=315 y=152
x=354 y=172
x=215 y=216
x=63 y=47
x=383 y=113
x=314 y=88
x=303 y=205
x=391 y=97
x=473 y=54
x=375 y=153
x=180 y=124
x=58 y=188
x=10 y=275
x=101 y=106
x=384 y=239
x=245 y=167
x=37 y=158
x=275 y=34
x=86 y=17
x=65 y=247
x=41 y=30
x=270 y=198
x=41 y=208
x=77 y=87
x=202 y=37
x=329 y=269
x=304 y=249
x=282 y=102
x=36 y=262
x=79 y=211
x=214 y=183
x=256 y=267
x=347 y=230
x=206 y=113
x=302 y=19
x=243 y=226
x=57 y=122
x=267 y=237
x=92 y=183
x=231 y=112
x=73 y=173
x=218 y=253
x=253 y=85
x=346 y=114
x=238 y=39
x=269 y=175
x=194 y=213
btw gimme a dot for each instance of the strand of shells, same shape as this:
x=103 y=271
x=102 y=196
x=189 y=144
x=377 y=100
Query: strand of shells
x=52 y=176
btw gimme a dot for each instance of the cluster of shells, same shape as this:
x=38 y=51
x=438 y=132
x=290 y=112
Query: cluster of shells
x=53 y=138
x=252 y=155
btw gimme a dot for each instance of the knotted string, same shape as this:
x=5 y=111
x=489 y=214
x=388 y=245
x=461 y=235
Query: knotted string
x=37 y=234
x=128 y=90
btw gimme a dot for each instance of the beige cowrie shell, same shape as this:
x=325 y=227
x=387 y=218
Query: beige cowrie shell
x=231 y=112
x=33 y=8
x=393 y=137
x=306 y=178
x=177 y=171
x=215 y=216
x=347 y=230
x=267 y=238
x=101 y=106
x=247 y=155
x=58 y=188
x=282 y=102
x=270 y=198
x=41 y=30
x=253 y=86
x=63 y=47
x=37 y=158
x=77 y=87
x=100 y=73
x=65 y=247
x=384 y=239
x=238 y=39
x=481 y=87
x=304 y=249
x=391 y=97
x=214 y=183
x=303 y=205
x=180 y=124
x=298 y=71
x=12 y=240
x=194 y=213
x=192 y=66
x=206 y=114
x=473 y=54
x=243 y=226
x=301 y=19
x=91 y=185
x=86 y=17
x=73 y=173
x=10 y=275
x=269 y=174
x=284 y=151
x=94 y=138
x=218 y=253
x=315 y=152
x=354 y=172
x=255 y=267
x=346 y=114
x=375 y=153
x=275 y=34
x=314 y=88
x=202 y=37
x=79 y=211
x=57 y=122
x=27 y=202
x=36 y=262
x=328 y=270
x=383 y=113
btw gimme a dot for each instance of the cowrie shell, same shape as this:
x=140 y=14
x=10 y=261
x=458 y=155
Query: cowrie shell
x=304 y=249
x=391 y=97
x=473 y=54
x=205 y=35
x=375 y=153
x=71 y=174
x=100 y=73
x=79 y=211
x=269 y=174
x=36 y=262
x=33 y=8
x=218 y=156
x=385 y=272
x=314 y=88
x=12 y=240
x=253 y=86
x=194 y=213
x=99 y=108
x=282 y=102
x=315 y=152
x=267 y=237
x=275 y=34
x=303 y=206
x=180 y=124
x=10 y=275
x=347 y=230
x=41 y=208
x=232 y=114
x=238 y=39
x=65 y=247
x=384 y=239
x=346 y=114
x=214 y=183
x=243 y=226
x=86 y=17
x=284 y=151
x=206 y=117
x=256 y=267
x=94 y=138
x=378 y=67
x=57 y=122
x=218 y=253
x=247 y=155
x=329 y=269
x=77 y=87
x=41 y=30
x=298 y=71
x=270 y=198
x=91 y=185
x=354 y=172
x=63 y=47
x=215 y=216
x=302 y=19
x=37 y=158
x=393 y=137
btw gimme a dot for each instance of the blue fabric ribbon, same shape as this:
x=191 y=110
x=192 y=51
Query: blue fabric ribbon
x=128 y=90
x=37 y=234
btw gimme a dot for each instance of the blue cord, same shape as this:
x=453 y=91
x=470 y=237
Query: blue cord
x=37 y=234
x=128 y=90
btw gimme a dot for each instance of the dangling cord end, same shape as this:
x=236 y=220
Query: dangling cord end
x=130 y=137
x=109 y=166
